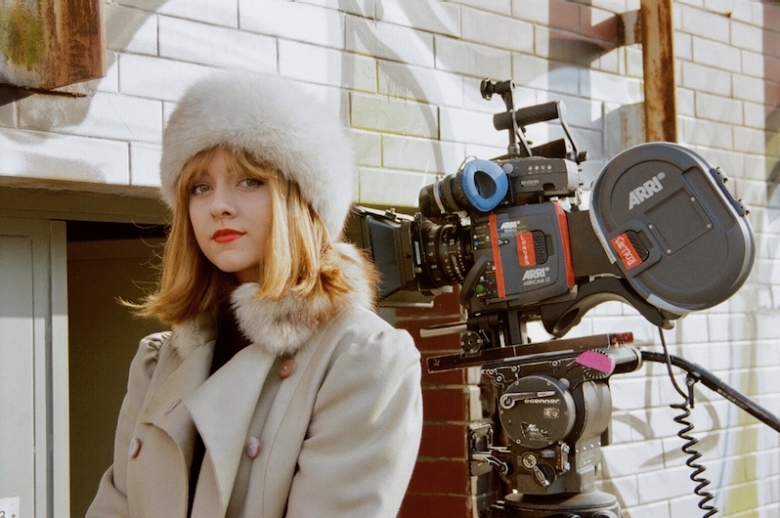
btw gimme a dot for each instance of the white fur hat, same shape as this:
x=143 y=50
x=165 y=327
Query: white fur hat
x=274 y=120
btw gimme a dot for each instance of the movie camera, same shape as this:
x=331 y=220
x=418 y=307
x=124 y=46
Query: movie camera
x=662 y=234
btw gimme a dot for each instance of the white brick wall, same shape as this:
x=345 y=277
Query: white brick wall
x=404 y=75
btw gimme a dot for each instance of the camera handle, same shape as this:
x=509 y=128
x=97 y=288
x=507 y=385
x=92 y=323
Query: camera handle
x=515 y=120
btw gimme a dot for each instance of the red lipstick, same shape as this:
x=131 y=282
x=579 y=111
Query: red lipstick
x=226 y=235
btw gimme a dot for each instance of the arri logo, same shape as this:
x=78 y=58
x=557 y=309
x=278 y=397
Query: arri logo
x=535 y=273
x=646 y=190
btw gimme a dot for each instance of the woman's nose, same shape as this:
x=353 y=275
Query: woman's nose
x=222 y=204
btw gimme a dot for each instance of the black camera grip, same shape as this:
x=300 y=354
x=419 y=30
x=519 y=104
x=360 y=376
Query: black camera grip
x=530 y=115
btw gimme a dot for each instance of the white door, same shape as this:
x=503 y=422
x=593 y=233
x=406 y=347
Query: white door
x=33 y=368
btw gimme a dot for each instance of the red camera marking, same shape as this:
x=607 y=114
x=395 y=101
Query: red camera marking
x=563 y=224
x=626 y=251
x=526 y=255
x=494 y=244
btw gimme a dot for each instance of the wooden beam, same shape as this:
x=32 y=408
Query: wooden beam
x=660 y=81
x=47 y=44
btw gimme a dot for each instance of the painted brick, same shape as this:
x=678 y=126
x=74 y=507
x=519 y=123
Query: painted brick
x=420 y=84
x=568 y=47
x=686 y=102
x=558 y=14
x=469 y=127
x=8 y=107
x=719 y=108
x=683 y=46
x=415 y=154
x=368 y=148
x=218 y=12
x=145 y=164
x=532 y=72
x=498 y=31
x=705 y=133
x=750 y=140
x=393 y=115
x=157 y=78
x=612 y=61
x=323 y=65
x=634 y=66
x=313 y=24
x=746 y=36
x=715 y=54
x=753 y=63
x=388 y=41
x=705 y=24
x=751 y=89
x=495 y=6
x=33 y=154
x=359 y=7
x=669 y=483
x=471 y=59
x=103 y=116
x=772 y=44
x=598 y=23
x=390 y=188
x=639 y=458
x=706 y=79
x=130 y=30
x=184 y=40
x=772 y=69
x=110 y=82
x=609 y=87
x=615 y=6
x=435 y=17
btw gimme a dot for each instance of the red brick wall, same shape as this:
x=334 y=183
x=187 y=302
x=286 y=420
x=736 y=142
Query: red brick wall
x=440 y=485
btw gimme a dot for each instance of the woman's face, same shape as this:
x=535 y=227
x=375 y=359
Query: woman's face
x=231 y=216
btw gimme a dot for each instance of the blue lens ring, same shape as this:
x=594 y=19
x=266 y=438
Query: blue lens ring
x=475 y=186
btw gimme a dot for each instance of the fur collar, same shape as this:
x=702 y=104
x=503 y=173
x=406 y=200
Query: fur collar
x=282 y=326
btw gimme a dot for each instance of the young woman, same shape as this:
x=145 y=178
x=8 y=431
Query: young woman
x=277 y=392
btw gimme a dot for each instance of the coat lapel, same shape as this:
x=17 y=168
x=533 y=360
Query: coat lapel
x=222 y=409
x=163 y=408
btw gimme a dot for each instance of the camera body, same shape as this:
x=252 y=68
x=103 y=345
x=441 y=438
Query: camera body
x=662 y=234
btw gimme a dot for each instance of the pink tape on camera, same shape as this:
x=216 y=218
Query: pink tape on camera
x=597 y=361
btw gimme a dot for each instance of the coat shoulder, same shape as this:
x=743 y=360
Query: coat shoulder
x=360 y=329
x=148 y=354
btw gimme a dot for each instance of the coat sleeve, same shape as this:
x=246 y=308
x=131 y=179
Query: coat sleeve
x=364 y=434
x=111 y=500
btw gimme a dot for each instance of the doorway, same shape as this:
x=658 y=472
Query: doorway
x=109 y=265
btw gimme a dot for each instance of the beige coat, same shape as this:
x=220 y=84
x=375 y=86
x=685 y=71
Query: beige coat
x=337 y=438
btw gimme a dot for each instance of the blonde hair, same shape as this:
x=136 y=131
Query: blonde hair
x=299 y=259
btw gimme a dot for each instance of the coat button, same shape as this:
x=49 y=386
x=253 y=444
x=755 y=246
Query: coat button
x=135 y=448
x=287 y=368
x=253 y=447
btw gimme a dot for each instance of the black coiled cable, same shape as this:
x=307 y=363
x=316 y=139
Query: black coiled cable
x=688 y=448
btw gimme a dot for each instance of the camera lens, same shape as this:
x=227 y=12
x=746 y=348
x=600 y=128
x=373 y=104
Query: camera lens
x=445 y=256
x=480 y=185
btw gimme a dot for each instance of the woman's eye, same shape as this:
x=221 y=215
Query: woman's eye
x=252 y=182
x=199 y=188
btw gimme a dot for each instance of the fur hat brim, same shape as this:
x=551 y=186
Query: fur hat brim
x=274 y=120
